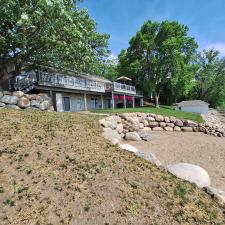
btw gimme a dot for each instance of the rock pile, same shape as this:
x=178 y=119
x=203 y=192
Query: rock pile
x=20 y=100
x=135 y=126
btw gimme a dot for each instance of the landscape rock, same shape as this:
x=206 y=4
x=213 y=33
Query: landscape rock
x=157 y=129
x=159 y=118
x=172 y=119
x=168 y=129
x=189 y=123
x=18 y=94
x=2 y=105
x=150 y=119
x=132 y=136
x=148 y=129
x=179 y=123
x=167 y=119
x=144 y=135
x=112 y=136
x=153 y=124
x=192 y=173
x=128 y=147
x=44 y=105
x=35 y=103
x=177 y=129
x=23 y=102
x=119 y=128
x=8 y=99
x=12 y=107
x=162 y=124
x=187 y=129
x=170 y=125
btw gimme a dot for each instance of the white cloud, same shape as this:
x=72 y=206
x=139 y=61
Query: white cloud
x=218 y=46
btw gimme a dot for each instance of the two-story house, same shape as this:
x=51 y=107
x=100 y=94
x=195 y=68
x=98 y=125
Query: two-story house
x=77 y=92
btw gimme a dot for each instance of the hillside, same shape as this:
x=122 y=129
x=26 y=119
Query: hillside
x=56 y=168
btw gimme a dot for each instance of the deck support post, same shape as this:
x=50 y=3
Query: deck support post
x=113 y=103
x=133 y=102
x=85 y=101
x=124 y=101
x=102 y=102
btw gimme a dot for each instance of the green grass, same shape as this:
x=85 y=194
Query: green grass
x=163 y=110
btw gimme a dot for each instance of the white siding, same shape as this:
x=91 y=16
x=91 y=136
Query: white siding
x=198 y=109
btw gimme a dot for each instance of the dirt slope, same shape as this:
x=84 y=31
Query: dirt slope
x=55 y=168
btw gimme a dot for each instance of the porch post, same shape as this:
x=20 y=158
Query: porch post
x=124 y=101
x=102 y=102
x=142 y=102
x=133 y=102
x=113 y=104
x=85 y=101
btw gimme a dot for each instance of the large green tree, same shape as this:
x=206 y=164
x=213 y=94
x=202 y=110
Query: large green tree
x=210 y=78
x=48 y=33
x=160 y=54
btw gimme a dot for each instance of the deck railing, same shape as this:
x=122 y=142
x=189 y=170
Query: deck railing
x=124 y=88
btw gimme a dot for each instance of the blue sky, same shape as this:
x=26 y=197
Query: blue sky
x=122 y=18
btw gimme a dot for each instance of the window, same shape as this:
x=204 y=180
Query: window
x=66 y=104
x=94 y=103
x=78 y=104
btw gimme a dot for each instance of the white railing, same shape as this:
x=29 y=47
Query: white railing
x=79 y=83
x=124 y=88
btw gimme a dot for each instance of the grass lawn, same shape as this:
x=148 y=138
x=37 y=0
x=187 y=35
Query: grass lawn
x=163 y=110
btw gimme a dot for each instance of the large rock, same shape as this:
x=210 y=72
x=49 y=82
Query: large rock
x=114 y=119
x=18 y=94
x=2 y=105
x=12 y=107
x=147 y=129
x=168 y=129
x=167 y=119
x=192 y=173
x=157 y=129
x=190 y=123
x=173 y=119
x=132 y=136
x=179 y=123
x=177 y=129
x=23 y=102
x=150 y=119
x=10 y=100
x=187 y=129
x=153 y=124
x=35 y=103
x=119 y=128
x=144 y=135
x=159 y=118
x=112 y=136
x=162 y=124
x=128 y=147
x=44 y=105
x=217 y=194
x=170 y=125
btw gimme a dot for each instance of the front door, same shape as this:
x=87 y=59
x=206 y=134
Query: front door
x=66 y=104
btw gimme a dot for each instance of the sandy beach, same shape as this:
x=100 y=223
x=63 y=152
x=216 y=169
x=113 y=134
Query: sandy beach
x=195 y=148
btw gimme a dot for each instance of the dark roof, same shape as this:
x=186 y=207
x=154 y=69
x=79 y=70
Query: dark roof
x=192 y=103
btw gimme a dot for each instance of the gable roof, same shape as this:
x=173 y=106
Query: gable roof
x=193 y=103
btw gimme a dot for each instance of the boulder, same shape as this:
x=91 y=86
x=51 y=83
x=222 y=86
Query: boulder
x=18 y=94
x=150 y=119
x=177 y=129
x=145 y=122
x=2 y=105
x=33 y=109
x=170 y=125
x=12 y=107
x=168 y=128
x=128 y=147
x=173 y=119
x=112 y=136
x=192 y=173
x=216 y=194
x=10 y=100
x=159 y=118
x=157 y=129
x=187 y=129
x=147 y=129
x=44 y=105
x=35 y=103
x=141 y=126
x=179 y=123
x=144 y=135
x=167 y=119
x=153 y=124
x=132 y=136
x=23 y=102
x=114 y=119
x=190 y=123
x=162 y=124
x=119 y=128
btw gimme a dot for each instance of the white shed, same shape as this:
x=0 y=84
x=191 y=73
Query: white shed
x=197 y=106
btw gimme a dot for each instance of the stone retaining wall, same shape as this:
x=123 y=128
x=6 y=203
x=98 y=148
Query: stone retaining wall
x=20 y=100
x=135 y=126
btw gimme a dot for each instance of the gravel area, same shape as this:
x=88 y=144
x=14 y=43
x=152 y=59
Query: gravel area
x=195 y=148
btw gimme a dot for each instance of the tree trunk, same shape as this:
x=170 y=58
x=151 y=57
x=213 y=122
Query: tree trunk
x=157 y=101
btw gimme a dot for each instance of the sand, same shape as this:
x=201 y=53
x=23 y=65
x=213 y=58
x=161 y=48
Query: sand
x=195 y=148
